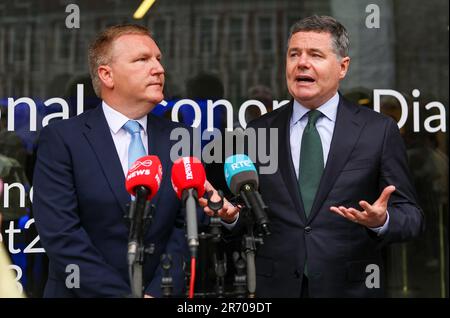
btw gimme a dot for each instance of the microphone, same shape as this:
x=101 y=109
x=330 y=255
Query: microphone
x=142 y=181
x=242 y=179
x=144 y=174
x=188 y=181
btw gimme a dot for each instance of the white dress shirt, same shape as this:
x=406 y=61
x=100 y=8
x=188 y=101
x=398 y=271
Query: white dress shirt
x=120 y=136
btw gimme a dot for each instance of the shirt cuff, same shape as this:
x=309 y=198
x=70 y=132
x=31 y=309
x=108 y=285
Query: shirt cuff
x=230 y=226
x=381 y=229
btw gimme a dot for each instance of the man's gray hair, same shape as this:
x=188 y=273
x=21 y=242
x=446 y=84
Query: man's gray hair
x=325 y=24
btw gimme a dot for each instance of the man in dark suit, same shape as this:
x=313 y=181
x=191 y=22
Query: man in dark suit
x=80 y=198
x=342 y=189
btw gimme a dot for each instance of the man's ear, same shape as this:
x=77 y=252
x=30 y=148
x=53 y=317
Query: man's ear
x=345 y=63
x=106 y=76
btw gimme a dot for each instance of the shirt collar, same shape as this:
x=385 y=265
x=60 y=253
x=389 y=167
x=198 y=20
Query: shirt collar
x=329 y=109
x=116 y=120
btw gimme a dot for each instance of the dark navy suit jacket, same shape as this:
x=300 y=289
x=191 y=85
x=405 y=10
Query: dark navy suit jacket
x=79 y=204
x=366 y=154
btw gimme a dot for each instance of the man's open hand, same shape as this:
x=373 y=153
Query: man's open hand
x=373 y=215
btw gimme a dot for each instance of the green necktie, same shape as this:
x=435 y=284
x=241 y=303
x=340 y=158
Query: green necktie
x=311 y=161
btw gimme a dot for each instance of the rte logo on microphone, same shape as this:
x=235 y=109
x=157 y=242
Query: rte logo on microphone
x=242 y=164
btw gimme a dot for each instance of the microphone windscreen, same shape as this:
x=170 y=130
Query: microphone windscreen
x=146 y=172
x=187 y=173
x=240 y=170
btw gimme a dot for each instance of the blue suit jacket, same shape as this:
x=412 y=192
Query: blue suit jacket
x=366 y=155
x=79 y=204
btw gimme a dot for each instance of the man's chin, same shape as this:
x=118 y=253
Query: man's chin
x=305 y=98
x=155 y=100
x=309 y=101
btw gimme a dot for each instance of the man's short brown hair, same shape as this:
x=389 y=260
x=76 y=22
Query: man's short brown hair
x=325 y=24
x=100 y=49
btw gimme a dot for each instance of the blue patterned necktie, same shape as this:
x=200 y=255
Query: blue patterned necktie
x=136 y=148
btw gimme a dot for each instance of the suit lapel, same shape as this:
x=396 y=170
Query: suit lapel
x=346 y=133
x=99 y=137
x=285 y=158
x=158 y=145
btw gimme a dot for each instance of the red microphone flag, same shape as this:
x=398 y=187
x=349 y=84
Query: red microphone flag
x=188 y=172
x=146 y=172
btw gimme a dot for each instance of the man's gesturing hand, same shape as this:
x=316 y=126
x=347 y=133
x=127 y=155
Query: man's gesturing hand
x=228 y=213
x=374 y=215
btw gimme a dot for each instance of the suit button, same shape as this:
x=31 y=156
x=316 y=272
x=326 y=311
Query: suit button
x=308 y=229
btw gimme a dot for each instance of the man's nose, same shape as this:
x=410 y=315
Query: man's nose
x=303 y=61
x=157 y=68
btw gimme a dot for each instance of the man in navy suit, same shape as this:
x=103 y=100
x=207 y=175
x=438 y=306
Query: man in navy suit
x=342 y=189
x=79 y=180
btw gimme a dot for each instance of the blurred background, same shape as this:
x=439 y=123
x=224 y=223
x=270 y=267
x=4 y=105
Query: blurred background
x=232 y=50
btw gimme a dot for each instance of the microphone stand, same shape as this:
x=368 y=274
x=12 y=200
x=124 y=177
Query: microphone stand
x=249 y=242
x=245 y=278
x=139 y=216
x=214 y=235
x=219 y=257
x=167 y=282
x=254 y=213
x=240 y=278
x=220 y=267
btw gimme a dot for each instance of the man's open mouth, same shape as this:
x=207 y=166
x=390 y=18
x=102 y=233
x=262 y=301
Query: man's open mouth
x=304 y=79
